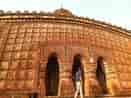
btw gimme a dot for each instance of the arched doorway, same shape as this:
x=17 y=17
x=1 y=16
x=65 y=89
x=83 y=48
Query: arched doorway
x=100 y=75
x=52 y=75
x=76 y=65
x=34 y=95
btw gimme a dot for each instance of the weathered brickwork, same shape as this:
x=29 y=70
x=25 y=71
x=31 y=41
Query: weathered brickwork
x=27 y=40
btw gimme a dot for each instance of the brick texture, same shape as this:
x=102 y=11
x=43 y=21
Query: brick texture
x=27 y=40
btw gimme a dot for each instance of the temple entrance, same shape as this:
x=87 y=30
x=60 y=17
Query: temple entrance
x=76 y=65
x=35 y=95
x=100 y=74
x=52 y=75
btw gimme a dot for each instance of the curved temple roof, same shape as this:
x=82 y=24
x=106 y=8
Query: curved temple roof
x=60 y=13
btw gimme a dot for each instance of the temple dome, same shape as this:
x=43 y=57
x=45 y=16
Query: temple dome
x=62 y=12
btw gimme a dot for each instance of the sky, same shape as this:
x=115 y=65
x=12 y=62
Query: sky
x=116 y=12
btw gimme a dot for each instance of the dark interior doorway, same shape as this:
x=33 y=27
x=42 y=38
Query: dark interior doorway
x=52 y=75
x=76 y=65
x=34 y=95
x=100 y=74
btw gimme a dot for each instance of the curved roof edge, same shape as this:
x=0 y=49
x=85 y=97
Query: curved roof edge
x=65 y=14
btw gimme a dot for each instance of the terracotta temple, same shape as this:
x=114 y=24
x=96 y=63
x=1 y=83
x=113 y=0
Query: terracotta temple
x=39 y=53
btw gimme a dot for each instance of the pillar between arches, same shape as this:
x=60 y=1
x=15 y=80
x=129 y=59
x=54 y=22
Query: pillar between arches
x=112 y=81
x=42 y=77
x=66 y=86
x=91 y=87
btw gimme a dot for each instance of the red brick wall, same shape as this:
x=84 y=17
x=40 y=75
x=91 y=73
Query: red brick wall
x=26 y=45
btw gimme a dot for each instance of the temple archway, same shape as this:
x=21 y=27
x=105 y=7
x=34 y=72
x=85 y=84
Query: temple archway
x=75 y=66
x=52 y=75
x=100 y=75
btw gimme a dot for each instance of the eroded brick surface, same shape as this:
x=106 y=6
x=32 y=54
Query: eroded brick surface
x=26 y=41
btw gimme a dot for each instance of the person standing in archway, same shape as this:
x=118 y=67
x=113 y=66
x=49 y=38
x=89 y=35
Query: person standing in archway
x=78 y=84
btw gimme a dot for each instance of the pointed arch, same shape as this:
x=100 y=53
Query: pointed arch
x=100 y=75
x=52 y=75
x=77 y=63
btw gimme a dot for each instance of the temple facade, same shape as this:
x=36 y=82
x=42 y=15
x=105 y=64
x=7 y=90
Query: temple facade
x=40 y=52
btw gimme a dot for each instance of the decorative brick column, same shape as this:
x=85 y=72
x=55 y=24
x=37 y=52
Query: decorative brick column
x=91 y=86
x=66 y=87
x=113 y=84
x=42 y=81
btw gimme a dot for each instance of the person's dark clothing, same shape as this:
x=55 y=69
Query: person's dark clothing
x=78 y=75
